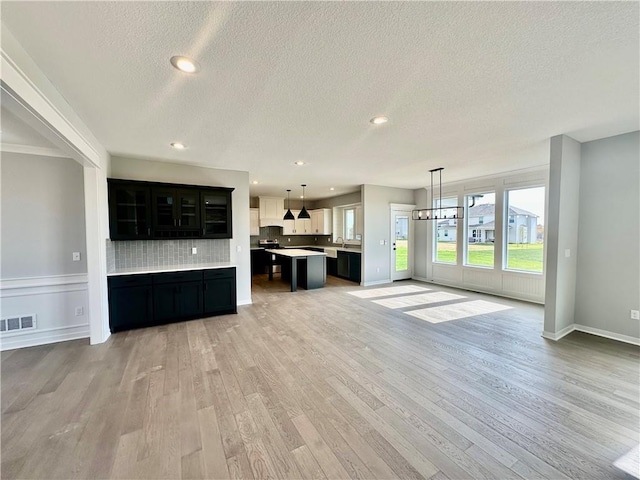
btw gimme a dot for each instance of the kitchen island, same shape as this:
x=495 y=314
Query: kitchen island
x=301 y=267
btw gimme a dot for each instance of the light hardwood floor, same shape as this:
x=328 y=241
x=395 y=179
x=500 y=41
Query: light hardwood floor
x=323 y=384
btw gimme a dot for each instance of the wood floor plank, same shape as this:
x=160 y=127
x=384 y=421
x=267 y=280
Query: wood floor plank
x=323 y=384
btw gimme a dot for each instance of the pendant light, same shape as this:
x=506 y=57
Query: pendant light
x=288 y=215
x=303 y=213
x=439 y=212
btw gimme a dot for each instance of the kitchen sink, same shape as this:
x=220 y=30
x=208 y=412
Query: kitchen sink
x=331 y=252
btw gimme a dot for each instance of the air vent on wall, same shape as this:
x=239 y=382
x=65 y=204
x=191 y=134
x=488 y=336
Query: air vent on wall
x=17 y=323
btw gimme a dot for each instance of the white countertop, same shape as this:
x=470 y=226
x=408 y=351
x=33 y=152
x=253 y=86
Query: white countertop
x=341 y=249
x=295 y=252
x=168 y=268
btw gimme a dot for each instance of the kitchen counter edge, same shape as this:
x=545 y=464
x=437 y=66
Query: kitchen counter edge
x=169 y=268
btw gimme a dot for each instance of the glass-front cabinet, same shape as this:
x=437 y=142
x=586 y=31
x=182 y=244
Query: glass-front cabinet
x=176 y=212
x=216 y=214
x=146 y=210
x=130 y=205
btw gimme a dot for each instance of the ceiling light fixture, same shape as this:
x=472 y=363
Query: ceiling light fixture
x=288 y=215
x=332 y=189
x=379 y=120
x=178 y=145
x=255 y=182
x=184 y=64
x=438 y=212
x=303 y=213
x=299 y=163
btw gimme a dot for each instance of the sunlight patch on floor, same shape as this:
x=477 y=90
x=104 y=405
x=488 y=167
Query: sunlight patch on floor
x=384 y=292
x=456 y=311
x=415 y=300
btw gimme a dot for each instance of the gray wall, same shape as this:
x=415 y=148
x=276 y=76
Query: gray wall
x=421 y=237
x=137 y=169
x=346 y=199
x=562 y=233
x=608 y=283
x=376 y=258
x=42 y=216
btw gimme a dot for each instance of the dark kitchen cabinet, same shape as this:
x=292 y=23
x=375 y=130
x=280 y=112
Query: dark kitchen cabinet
x=216 y=214
x=349 y=265
x=129 y=211
x=332 y=266
x=148 y=210
x=220 y=291
x=176 y=212
x=177 y=295
x=130 y=302
x=154 y=299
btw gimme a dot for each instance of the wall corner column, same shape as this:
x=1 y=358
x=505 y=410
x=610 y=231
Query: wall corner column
x=562 y=236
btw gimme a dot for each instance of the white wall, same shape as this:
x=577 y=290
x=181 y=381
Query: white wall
x=376 y=258
x=42 y=212
x=608 y=271
x=138 y=169
x=562 y=234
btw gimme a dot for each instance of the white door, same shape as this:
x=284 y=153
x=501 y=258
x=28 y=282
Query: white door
x=401 y=243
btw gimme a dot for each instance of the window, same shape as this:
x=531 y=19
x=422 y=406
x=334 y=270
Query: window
x=349 y=224
x=481 y=217
x=524 y=235
x=445 y=235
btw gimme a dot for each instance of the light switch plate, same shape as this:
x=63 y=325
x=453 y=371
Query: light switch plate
x=567 y=252
x=635 y=314
x=194 y=250
x=76 y=256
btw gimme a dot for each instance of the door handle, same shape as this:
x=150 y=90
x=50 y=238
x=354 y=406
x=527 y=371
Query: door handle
x=179 y=222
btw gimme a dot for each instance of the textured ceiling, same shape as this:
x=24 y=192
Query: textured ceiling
x=477 y=88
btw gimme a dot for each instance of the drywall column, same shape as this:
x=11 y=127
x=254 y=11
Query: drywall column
x=421 y=238
x=96 y=214
x=562 y=236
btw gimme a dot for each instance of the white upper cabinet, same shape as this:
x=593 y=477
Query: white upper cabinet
x=321 y=221
x=271 y=211
x=254 y=221
x=290 y=225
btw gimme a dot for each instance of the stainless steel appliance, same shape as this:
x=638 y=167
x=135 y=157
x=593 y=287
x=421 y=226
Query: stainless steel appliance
x=271 y=261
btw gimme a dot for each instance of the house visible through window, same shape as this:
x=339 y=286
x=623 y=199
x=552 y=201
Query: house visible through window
x=481 y=219
x=445 y=235
x=524 y=235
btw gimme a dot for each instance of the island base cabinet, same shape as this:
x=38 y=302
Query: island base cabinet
x=220 y=292
x=146 y=300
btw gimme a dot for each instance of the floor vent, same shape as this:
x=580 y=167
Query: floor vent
x=17 y=323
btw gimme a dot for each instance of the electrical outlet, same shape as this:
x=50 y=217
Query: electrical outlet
x=288 y=239
x=79 y=311
x=76 y=256
x=635 y=314
x=238 y=248
x=377 y=269
x=567 y=252
x=194 y=250
x=381 y=242
x=329 y=239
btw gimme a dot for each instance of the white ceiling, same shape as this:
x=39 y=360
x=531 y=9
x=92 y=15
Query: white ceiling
x=477 y=88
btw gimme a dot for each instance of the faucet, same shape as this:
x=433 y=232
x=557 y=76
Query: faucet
x=341 y=240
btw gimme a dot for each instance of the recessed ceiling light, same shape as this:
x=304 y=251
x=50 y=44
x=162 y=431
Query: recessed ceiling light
x=255 y=182
x=178 y=145
x=379 y=120
x=332 y=189
x=184 y=64
x=301 y=196
x=299 y=162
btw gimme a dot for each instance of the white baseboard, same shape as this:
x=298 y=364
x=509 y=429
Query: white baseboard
x=377 y=282
x=421 y=279
x=45 y=336
x=606 y=334
x=245 y=302
x=593 y=331
x=558 y=335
